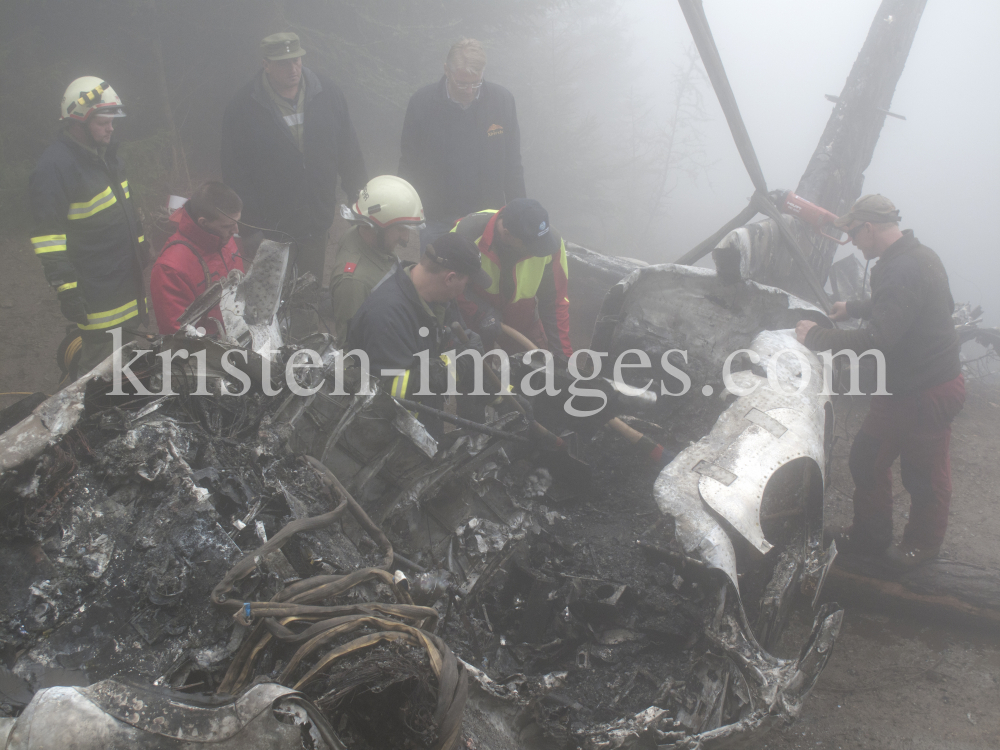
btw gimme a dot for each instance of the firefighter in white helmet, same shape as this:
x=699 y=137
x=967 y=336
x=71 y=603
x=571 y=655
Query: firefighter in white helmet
x=382 y=216
x=86 y=229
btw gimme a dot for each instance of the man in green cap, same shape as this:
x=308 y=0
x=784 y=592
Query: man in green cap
x=909 y=321
x=286 y=137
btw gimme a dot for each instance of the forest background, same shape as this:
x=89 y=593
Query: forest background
x=622 y=138
x=589 y=134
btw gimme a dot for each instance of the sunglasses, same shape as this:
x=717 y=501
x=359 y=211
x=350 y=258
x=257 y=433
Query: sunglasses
x=852 y=233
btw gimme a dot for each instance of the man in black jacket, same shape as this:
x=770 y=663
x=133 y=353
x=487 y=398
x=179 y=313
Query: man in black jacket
x=86 y=231
x=910 y=322
x=461 y=145
x=286 y=136
x=411 y=311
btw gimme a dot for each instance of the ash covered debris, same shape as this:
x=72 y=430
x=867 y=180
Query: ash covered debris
x=418 y=593
x=117 y=535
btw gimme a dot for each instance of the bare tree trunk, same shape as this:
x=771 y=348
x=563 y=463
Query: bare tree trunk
x=836 y=172
x=685 y=83
x=180 y=177
x=939 y=589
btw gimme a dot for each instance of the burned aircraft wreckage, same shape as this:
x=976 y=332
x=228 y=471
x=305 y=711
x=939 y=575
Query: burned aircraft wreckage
x=342 y=573
x=318 y=571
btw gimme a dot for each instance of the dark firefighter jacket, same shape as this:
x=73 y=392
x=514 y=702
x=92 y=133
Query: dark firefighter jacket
x=530 y=295
x=458 y=160
x=191 y=260
x=387 y=327
x=909 y=318
x=281 y=187
x=87 y=232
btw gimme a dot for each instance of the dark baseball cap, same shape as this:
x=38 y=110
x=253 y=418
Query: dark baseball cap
x=528 y=221
x=459 y=254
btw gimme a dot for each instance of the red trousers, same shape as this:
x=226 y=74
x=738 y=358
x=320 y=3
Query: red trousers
x=916 y=427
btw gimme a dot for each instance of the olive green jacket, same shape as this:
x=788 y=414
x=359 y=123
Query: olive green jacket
x=359 y=268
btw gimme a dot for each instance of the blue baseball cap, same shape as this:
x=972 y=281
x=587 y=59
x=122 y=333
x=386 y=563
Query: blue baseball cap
x=528 y=221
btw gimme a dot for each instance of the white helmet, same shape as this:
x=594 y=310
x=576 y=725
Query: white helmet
x=88 y=95
x=387 y=200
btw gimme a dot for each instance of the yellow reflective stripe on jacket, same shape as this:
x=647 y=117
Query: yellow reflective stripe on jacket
x=98 y=203
x=64 y=287
x=111 y=318
x=125 y=188
x=528 y=273
x=49 y=243
x=399 y=384
x=142 y=238
x=493 y=270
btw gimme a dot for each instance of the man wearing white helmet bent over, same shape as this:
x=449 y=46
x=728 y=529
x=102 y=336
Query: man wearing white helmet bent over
x=86 y=229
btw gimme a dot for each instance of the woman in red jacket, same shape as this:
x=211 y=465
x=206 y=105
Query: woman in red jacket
x=201 y=251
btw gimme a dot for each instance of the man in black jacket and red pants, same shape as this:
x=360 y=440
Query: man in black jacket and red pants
x=286 y=136
x=909 y=321
x=461 y=144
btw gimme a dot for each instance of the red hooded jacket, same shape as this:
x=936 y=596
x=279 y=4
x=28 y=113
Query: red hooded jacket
x=178 y=275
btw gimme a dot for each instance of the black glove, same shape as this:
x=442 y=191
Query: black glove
x=73 y=307
x=490 y=327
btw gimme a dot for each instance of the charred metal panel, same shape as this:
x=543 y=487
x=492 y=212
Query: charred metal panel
x=670 y=307
x=117 y=715
x=53 y=418
x=591 y=275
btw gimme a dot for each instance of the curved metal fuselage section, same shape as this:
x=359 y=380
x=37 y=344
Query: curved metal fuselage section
x=726 y=472
x=694 y=326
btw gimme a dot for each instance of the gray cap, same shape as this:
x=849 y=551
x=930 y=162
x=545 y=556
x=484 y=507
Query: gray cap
x=873 y=207
x=283 y=46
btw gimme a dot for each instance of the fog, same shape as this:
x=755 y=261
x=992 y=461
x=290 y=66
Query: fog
x=596 y=89
x=941 y=166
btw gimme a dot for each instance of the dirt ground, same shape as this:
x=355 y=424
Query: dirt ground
x=892 y=682
x=895 y=682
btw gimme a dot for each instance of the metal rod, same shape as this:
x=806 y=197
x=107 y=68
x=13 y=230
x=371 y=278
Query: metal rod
x=461 y=422
x=694 y=13
x=705 y=247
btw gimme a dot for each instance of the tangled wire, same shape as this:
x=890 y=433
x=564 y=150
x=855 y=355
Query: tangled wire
x=281 y=619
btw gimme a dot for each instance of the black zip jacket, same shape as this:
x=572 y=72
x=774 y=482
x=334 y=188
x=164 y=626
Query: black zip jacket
x=909 y=316
x=281 y=187
x=87 y=232
x=462 y=161
x=387 y=325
